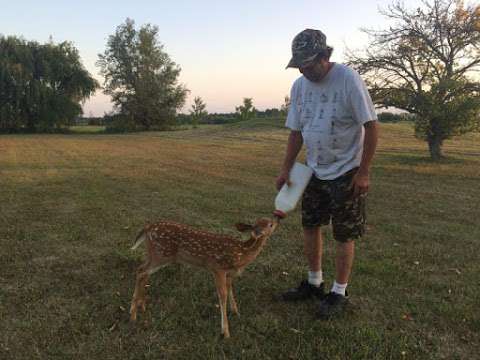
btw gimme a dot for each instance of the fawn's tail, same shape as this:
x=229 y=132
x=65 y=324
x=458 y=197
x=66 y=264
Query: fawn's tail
x=139 y=239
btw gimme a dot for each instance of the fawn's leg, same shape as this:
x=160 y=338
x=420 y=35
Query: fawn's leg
x=221 y=283
x=139 y=293
x=233 y=303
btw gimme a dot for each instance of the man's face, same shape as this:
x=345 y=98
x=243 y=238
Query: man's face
x=316 y=70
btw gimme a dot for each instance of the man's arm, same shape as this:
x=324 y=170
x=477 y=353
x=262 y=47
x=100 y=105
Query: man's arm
x=295 y=142
x=361 y=180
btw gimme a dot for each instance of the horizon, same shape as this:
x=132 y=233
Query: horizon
x=226 y=51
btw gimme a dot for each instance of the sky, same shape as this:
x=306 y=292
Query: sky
x=227 y=50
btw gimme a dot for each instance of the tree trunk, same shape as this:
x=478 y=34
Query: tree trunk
x=435 y=147
x=435 y=139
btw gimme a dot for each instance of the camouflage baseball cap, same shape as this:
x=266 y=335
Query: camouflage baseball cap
x=305 y=46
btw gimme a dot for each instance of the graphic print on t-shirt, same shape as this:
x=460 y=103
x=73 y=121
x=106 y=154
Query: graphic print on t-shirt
x=330 y=114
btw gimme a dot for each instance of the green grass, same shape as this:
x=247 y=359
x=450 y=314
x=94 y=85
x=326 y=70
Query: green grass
x=87 y=129
x=71 y=205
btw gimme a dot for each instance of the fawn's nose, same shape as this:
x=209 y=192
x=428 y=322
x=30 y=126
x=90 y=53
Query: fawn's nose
x=274 y=224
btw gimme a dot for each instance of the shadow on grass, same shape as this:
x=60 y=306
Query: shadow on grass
x=404 y=158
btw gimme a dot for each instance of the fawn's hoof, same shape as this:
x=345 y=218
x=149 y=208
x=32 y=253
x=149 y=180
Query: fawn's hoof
x=133 y=315
x=134 y=307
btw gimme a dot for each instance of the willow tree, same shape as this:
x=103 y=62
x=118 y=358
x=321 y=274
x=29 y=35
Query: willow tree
x=41 y=85
x=140 y=77
x=423 y=64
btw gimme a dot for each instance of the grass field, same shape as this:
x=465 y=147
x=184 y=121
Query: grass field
x=71 y=205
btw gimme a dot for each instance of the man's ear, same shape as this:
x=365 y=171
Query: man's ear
x=243 y=227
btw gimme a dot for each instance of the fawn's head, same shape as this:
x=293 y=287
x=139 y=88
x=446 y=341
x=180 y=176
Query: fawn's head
x=263 y=228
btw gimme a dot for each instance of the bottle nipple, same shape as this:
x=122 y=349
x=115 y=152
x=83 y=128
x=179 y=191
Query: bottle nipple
x=279 y=214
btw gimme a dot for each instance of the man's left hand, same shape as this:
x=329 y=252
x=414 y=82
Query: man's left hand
x=360 y=183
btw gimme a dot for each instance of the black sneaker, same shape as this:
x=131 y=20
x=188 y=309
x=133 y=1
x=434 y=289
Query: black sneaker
x=304 y=291
x=333 y=304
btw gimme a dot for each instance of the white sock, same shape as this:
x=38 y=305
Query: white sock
x=339 y=288
x=315 y=278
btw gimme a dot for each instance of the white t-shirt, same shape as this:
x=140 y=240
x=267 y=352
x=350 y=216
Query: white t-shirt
x=330 y=114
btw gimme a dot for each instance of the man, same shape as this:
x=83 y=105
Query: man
x=332 y=114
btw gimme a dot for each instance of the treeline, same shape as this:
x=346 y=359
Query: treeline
x=185 y=119
x=227 y=118
x=389 y=117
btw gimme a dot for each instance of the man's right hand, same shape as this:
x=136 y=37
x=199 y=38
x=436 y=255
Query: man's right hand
x=295 y=141
x=282 y=179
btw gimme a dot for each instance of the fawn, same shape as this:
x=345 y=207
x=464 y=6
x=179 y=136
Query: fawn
x=225 y=256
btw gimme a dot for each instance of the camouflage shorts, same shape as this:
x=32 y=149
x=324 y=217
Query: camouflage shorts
x=332 y=200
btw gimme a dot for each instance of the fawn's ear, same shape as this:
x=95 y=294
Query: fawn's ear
x=243 y=227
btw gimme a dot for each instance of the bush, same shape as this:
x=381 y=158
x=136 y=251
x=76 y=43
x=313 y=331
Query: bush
x=96 y=121
x=183 y=119
x=388 y=117
x=217 y=119
x=119 y=123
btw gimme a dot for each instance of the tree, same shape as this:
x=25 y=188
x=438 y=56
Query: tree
x=141 y=78
x=424 y=64
x=247 y=110
x=198 y=110
x=285 y=105
x=41 y=85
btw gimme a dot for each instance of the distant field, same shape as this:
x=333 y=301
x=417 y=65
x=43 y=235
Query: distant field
x=71 y=205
